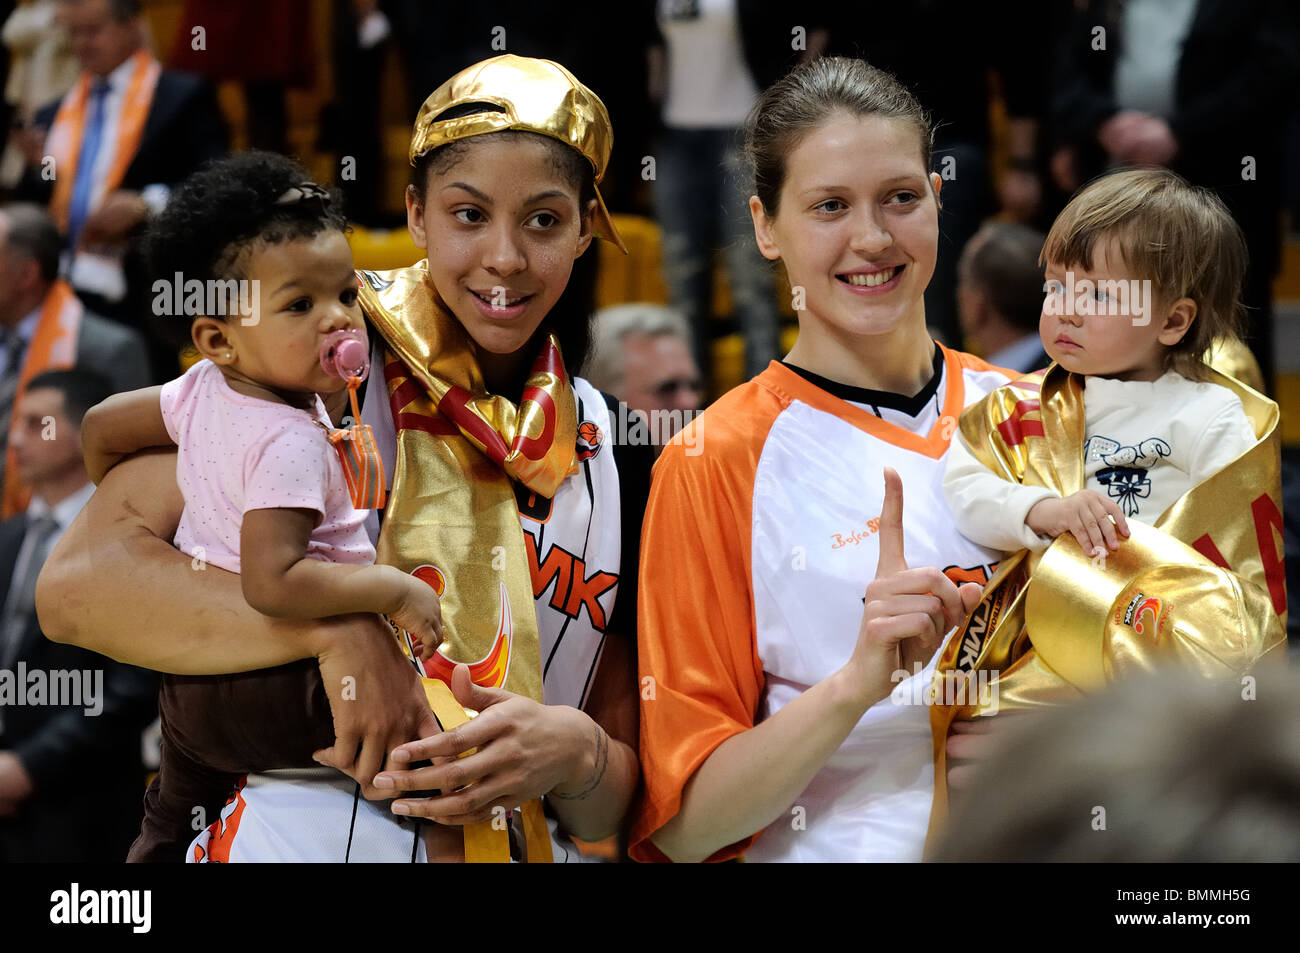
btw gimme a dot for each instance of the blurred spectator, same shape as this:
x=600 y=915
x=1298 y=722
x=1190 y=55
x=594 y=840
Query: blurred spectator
x=1200 y=86
x=1000 y=296
x=351 y=125
x=42 y=68
x=641 y=354
x=56 y=750
x=43 y=326
x=366 y=31
x=947 y=52
x=265 y=47
x=1026 y=192
x=126 y=132
x=715 y=58
x=1167 y=768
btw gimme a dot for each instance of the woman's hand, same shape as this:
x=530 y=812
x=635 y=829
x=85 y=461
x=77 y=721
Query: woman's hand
x=908 y=611
x=376 y=699
x=118 y=213
x=520 y=750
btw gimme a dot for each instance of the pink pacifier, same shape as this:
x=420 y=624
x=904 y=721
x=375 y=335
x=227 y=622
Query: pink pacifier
x=346 y=354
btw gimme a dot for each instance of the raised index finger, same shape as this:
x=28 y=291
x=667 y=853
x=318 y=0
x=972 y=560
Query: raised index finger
x=891 y=558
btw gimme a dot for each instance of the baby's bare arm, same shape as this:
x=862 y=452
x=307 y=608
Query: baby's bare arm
x=280 y=580
x=120 y=426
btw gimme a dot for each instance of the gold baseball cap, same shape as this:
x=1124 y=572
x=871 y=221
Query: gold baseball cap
x=1154 y=601
x=534 y=95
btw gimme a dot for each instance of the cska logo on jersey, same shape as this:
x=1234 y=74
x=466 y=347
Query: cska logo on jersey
x=488 y=671
x=590 y=440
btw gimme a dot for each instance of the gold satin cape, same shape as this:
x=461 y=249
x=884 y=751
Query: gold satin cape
x=1054 y=625
x=452 y=518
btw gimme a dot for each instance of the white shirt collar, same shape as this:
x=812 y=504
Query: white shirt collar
x=119 y=78
x=66 y=510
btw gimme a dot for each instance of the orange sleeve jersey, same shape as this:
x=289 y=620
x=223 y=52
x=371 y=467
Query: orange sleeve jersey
x=758 y=543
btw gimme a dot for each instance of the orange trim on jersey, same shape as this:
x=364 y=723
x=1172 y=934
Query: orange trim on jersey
x=222 y=831
x=697 y=632
x=787 y=384
x=979 y=365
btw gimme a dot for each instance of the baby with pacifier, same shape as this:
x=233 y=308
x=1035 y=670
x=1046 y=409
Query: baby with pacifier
x=273 y=491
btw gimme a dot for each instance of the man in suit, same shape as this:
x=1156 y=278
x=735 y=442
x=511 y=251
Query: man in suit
x=125 y=133
x=71 y=781
x=29 y=264
x=1000 y=295
x=641 y=354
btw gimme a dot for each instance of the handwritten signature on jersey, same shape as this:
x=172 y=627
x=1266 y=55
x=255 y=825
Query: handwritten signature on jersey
x=840 y=540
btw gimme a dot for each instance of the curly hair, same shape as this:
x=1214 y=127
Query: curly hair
x=218 y=215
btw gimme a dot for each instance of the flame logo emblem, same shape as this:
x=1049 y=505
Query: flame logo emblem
x=490 y=670
x=1154 y=606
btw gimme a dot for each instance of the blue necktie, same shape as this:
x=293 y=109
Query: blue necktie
x=83 y=188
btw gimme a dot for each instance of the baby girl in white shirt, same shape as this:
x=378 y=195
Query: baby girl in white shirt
x=1143 y=273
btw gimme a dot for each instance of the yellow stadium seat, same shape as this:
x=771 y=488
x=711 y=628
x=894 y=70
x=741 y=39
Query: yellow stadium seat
x=383 y=249
x=636 y=276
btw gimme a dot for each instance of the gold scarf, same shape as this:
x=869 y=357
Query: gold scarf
x=451 y=517
x=1203 y=589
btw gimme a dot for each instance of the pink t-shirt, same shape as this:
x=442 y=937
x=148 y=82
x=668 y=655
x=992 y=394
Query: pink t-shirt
x=240 y=453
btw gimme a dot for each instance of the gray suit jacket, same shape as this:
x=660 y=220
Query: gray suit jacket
x=103 y=346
